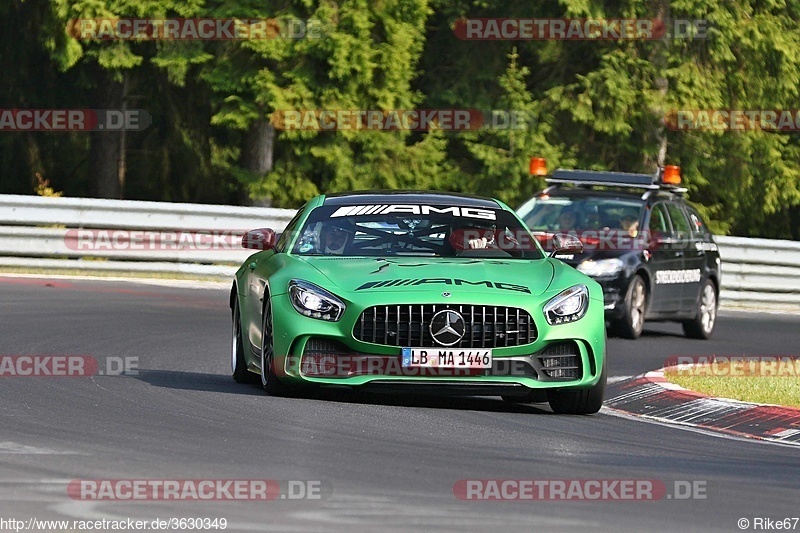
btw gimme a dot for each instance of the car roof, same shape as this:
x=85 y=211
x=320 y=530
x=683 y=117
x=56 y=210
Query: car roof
x=410 y=197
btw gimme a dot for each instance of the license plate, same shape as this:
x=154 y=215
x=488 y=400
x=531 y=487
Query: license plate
x=446 y=358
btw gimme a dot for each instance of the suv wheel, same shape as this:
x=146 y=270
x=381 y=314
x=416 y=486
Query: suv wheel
x=702 y=325
x=631 y=324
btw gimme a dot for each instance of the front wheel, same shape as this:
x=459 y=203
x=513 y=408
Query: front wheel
x=269 y=379
x=239 y=370
x=702 y=325
x=579 y=401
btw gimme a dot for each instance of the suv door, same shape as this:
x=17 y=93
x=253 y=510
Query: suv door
x=697 y=256
x=665 y=296
x=687 y=281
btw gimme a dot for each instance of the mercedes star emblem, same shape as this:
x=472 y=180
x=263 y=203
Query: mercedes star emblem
x=447 y=327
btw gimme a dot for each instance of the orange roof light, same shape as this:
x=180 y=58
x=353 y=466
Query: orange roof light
x=538 y=166
x=671 y=175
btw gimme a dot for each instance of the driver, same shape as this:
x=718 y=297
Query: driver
x=630 y=224
x=567 y=220
x=333 y=239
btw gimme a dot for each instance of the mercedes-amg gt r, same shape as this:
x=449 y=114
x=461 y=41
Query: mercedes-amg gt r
x=417 y=292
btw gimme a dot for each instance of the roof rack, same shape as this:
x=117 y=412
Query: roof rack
x=588 y=178
x=668 y=178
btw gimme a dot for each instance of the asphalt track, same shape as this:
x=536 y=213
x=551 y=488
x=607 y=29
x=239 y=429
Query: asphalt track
x=386 y=463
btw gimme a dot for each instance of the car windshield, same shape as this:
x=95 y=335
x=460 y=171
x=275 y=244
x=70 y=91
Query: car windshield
x=561 y=213
x=414 y=230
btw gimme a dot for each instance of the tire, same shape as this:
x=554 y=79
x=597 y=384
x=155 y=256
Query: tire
x=702 y=325
x=269 y=380
x=239 y=370
x=630 y=326
x=579 y=401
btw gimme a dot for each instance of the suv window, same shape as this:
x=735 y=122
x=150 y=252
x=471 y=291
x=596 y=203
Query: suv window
x=564 y=213
x=659 y=222
x=679 y=222
x=697 y=225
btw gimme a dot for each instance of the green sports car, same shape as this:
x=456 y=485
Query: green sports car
x=418 y=292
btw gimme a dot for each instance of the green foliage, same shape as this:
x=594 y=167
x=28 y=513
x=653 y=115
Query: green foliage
x=504 y=153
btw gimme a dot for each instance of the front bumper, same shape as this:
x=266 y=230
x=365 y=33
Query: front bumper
x=316 y=352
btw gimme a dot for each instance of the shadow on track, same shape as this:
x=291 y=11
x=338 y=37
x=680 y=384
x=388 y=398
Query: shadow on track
x=651 y=333
x=492 y=404
x=419 y=400
x=196 y=381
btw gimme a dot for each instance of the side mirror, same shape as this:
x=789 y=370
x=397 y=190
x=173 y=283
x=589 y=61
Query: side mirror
x=259 y=239
x=566 y=244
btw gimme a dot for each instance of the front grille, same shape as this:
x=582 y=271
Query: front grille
x=327 y=358
x=487 y=326
x=322 y=346
x=561 y=361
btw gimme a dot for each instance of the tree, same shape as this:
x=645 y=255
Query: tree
x=364 y=60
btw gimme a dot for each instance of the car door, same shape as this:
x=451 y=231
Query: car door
x=665 y=262
x=687 y=279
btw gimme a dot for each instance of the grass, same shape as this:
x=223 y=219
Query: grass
x=769 y=381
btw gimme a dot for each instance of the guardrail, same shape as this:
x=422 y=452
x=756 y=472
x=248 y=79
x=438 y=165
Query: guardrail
x=98 y=235
x=93 y=235
x=760 y=271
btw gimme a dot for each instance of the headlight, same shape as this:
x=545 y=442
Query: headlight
x=315 y=302
x=603 y=267
x=568 y=306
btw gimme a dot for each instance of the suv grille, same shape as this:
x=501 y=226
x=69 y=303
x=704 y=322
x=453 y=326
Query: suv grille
x=487 y=326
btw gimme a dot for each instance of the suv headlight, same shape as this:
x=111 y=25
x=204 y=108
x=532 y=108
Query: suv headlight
x=314 y=301
x=603 y=267
x=568 y=306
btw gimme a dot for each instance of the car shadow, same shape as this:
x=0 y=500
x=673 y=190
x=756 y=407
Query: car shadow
x=650 y=333
x=492 y=404
x=656 y=334
x=197 y=381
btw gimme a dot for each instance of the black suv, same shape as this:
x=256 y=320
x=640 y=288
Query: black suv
x=651 y=252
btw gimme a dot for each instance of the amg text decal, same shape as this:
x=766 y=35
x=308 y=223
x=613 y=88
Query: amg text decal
x=441 y=281
x=402 y=209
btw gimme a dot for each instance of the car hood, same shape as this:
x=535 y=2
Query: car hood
x=411 y=274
